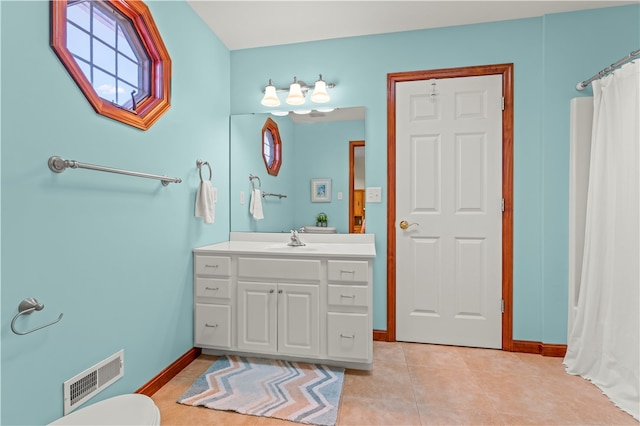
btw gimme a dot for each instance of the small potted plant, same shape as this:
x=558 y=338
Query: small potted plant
x=321 y=219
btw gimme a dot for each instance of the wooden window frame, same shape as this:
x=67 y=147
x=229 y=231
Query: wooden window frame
x=272 y=127
x=149 y=110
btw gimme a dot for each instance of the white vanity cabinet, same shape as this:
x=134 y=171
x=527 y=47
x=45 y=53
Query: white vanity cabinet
x=311 y=303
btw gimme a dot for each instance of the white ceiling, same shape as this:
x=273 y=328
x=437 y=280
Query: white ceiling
x=243 y=24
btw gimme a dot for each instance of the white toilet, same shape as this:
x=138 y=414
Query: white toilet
x=130 y=409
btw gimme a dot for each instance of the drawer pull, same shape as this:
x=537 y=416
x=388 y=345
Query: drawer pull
x=353 y=336
x=348 y=297
x=213 y=289
x=211 y=266
x=271 y=291
x=209 y=325
x=346 y=271
x=279 y=291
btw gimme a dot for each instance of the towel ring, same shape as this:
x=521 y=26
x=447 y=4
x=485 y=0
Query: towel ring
x=199 y=164
x=26 y=307
x=251 y=178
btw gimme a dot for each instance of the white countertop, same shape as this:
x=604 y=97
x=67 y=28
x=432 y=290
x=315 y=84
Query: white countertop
x=275 y=244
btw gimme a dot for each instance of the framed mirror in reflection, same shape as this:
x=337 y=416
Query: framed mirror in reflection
x=314 y=145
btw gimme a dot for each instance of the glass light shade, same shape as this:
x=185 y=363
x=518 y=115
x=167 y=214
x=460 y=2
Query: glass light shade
x=302 y=111
x=320 y=94
x=295 y=94
x=270 y=97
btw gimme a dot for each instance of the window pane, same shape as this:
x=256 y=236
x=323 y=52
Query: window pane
x=79 y=13
x=123 y=44
x=267 y=147
x=78 y=42
x=124 y=94
x=104 y=56
x=104 y=27
x=105 y=85
x=127 y=70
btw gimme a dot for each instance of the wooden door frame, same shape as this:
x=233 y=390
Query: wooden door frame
x=506 y=70
x=352 y=159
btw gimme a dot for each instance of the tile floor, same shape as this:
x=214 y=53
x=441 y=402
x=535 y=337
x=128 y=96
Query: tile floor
x=416 y=384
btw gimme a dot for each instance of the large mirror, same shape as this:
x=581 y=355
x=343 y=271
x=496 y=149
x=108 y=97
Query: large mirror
x=317 y=148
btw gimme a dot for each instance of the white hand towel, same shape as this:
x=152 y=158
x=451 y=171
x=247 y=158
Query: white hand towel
x=205 y=202
x=255 y=205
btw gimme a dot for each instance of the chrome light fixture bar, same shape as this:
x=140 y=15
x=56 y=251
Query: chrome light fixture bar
x=297 y=92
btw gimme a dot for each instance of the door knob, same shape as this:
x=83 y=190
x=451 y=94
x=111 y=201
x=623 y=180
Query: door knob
x=405 y=225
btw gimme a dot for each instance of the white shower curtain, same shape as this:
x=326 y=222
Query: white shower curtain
x=604 y=344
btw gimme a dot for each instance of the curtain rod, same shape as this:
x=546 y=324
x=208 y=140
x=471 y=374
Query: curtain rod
x=608 y=69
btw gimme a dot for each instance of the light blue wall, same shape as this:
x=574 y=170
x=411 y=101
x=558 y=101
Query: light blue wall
x=112 y=252
x=550 y=55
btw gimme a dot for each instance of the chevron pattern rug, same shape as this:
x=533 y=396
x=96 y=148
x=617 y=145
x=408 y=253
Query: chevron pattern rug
x=294 y=391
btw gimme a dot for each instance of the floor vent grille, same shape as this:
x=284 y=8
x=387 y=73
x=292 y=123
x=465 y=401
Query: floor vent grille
x=83 y=386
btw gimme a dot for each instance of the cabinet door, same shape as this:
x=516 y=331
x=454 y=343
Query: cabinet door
x=298 y=319
x=257 y=303
x=358 y=202
x=212 y=325
x=348 y=336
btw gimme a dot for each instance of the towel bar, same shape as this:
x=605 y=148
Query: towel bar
x=59 y=165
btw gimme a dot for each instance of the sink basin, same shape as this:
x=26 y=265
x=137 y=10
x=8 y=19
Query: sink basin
x=285 y=247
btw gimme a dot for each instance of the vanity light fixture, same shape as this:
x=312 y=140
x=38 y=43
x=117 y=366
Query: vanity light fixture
x=296 y=93
x=320 y=94
x=270 y=97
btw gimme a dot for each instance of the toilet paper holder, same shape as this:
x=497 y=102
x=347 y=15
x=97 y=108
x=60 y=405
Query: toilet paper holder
x=26 y=307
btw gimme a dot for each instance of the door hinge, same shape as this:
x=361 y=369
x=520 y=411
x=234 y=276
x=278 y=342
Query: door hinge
x=502 y=103
x=502 y=305
x=502 y=205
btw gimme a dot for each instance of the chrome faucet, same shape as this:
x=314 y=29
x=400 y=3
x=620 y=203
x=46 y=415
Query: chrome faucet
x=295 y=239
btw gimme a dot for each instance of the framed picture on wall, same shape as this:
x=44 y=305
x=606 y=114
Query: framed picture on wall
x=320 y=190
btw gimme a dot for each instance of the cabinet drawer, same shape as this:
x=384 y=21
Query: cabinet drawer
x=347 y=295
x=212 y=265
x=292 y=269
x=348 y=271
x=213 y=287
x=348 y=336
x=212 y=325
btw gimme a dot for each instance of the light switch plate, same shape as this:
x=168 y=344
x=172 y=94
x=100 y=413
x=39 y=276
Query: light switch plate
x=374 y=194
x=339 y=195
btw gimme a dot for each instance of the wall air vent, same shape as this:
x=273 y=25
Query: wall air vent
x=84 y=386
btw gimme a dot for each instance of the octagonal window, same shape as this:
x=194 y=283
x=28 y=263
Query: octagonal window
x=116 y=56
x=271 y=147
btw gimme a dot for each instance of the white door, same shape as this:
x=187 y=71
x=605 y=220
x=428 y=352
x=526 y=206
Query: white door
x=449 y=191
